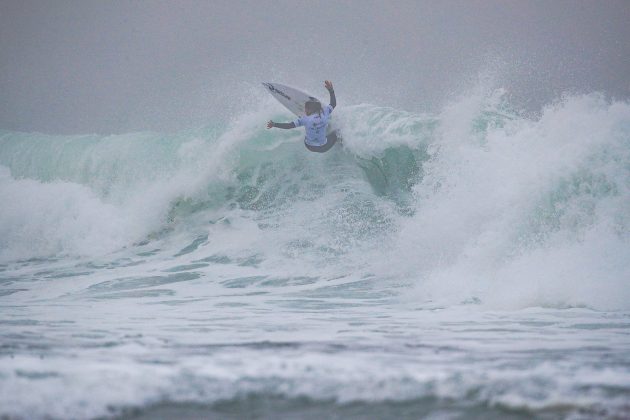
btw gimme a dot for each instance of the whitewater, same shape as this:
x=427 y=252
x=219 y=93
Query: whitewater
x=467 y=263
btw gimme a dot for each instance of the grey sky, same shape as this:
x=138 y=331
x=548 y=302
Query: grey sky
x=117 y=66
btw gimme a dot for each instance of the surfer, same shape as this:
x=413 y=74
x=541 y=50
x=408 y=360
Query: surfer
x=315 y=122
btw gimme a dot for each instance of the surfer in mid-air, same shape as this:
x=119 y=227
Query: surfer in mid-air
x=315 y=122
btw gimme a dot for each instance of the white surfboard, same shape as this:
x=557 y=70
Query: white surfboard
x=293 y=99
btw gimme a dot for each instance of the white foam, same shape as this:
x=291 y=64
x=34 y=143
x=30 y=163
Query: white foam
x=527 y=212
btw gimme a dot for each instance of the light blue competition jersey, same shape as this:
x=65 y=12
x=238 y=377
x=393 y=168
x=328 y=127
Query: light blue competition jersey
x=315 y=125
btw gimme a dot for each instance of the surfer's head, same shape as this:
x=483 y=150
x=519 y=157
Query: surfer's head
x=313 y=106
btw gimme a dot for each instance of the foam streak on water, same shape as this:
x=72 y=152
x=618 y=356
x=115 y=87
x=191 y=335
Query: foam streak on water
x=472 y=263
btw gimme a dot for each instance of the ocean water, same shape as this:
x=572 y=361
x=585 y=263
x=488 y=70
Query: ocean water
x=471 y=263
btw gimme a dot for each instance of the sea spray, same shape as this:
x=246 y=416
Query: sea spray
x=525 y=212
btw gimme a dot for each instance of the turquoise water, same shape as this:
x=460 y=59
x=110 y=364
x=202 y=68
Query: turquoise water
x=472 y=263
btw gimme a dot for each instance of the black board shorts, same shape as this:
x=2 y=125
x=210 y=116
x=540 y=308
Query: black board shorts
x=331 y=139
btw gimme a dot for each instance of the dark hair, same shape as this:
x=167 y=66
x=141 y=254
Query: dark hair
x=313 y=106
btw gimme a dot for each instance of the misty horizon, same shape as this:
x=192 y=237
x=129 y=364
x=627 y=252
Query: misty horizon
x=111 y=67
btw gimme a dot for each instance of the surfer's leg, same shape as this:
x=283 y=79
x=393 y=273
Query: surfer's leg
x=331 y=139
x=314 y=148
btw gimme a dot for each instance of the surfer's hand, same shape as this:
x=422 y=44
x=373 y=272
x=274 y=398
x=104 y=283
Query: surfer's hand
x=328 y=84
x=270 y=124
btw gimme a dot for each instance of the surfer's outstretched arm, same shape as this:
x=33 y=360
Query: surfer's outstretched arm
x=272 y=124
x=333 y=99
